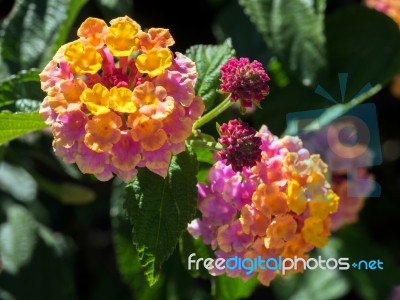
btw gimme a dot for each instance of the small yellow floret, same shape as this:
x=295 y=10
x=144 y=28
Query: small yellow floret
x=82 y=58
x=154 y=62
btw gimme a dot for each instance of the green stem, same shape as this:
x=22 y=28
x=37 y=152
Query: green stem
x=213 y=113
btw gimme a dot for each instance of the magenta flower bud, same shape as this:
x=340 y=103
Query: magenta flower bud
x=247 y=82
x=241 y=145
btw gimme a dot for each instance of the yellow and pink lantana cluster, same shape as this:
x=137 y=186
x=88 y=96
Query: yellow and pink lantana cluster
x=118 y=99
x=281 y=206
x=350 y=177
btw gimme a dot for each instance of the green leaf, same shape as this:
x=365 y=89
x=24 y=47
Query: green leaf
x=204 y=146
x=174 y=282
x=17 y=182
x=17 y=239
x=27 y=105
x=226 y=288
x=363 y=43
x=202 y=175
x=18 y=124
x=21 y=92
x=30 y=35
x=204 y=155
x=293 y=31
x=126 y=256
x=160 y=210
x=209 y=60
x=27 y=247
x=354 y=35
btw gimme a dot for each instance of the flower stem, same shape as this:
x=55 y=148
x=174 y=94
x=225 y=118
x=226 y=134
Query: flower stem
x=213 y=113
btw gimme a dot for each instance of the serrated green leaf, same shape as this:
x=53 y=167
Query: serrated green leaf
x=29 y=36
x=209 y=60
x=21 y=92
x=294 y=31
x=227 y=288
x=126 y=256
x=18 y=124
x=17 y=239
x=160 y=210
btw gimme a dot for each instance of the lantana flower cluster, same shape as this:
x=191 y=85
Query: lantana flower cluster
x=246 y=81
x=119 y=99
x=279 y=207
x=350 y=177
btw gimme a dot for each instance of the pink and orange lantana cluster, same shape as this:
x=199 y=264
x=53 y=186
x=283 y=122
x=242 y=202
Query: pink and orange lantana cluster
x=279 y=207
x=119 y=99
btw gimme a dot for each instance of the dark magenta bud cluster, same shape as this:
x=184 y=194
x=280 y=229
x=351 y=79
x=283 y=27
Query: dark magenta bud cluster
x=245 y=80
x=241 y=145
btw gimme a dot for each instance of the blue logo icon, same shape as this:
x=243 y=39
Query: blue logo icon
x=348 y=143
